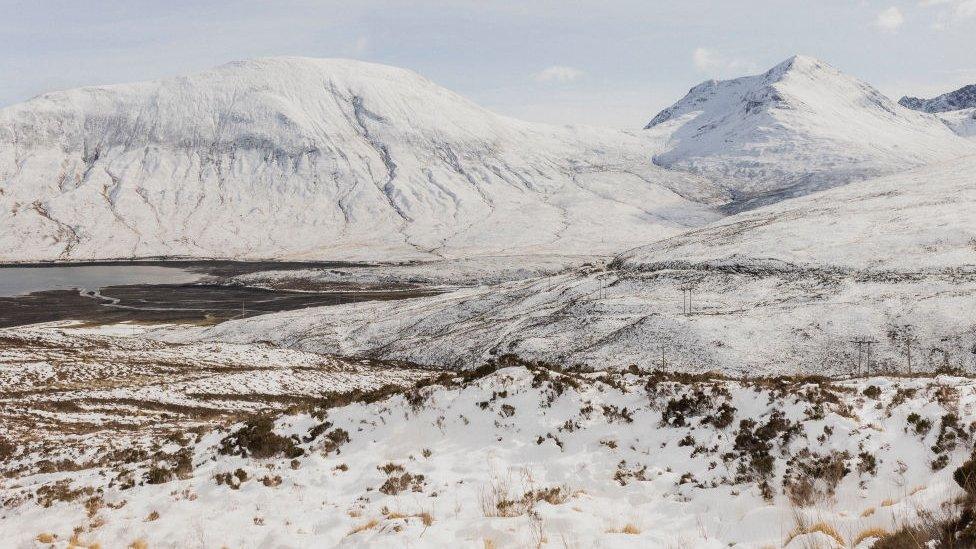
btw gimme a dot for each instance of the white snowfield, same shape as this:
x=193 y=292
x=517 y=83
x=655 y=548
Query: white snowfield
x=781 y=289
x=919 y=220
x=963 y=121
x=802 y=126
x=525 y=458
x=320 y=159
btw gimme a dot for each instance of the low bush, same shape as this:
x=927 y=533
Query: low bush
x=257 y=439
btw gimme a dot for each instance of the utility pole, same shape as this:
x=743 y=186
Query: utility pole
x=909 y=340
x=686 y=300
x=863 y=344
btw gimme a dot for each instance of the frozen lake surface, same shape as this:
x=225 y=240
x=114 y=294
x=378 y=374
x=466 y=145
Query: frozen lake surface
x=15 y=281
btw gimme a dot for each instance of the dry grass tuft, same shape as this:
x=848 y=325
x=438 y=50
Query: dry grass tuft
x=629 y=528
x=152 y=516
x=139 y=544
x=888 y=502
x=821 y=527
x=489 y=544
x=499 y=501
x=368 y=525
x=869 y=533
x=46 y=538
x=75 y=540
x=424 y=517
x=868 y=512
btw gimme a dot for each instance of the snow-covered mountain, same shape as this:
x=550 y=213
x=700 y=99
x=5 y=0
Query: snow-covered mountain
x=963 y=98
x=780 y=289
x=802 y=126
x=313 y=158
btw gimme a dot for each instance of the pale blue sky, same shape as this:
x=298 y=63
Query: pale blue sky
x=606 y=63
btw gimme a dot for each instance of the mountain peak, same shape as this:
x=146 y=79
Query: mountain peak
x=803 y=63
x=963 y=98
x=762 y=89
x=799 y=127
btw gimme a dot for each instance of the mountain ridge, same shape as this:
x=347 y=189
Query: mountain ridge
x=962 y=98
x=304 y=158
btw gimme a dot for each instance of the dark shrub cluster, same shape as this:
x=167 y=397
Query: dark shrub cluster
x=257 y=439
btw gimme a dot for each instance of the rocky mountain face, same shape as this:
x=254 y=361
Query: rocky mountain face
x=314 y=159
x=800 y=127
x=963 y=98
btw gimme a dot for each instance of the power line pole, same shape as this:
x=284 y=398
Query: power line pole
x=686 y=300
x=863 y=344
x=909 y=340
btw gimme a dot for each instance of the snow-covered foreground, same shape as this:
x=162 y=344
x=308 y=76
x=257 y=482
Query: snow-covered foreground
x=79 y=393
x=524 y=456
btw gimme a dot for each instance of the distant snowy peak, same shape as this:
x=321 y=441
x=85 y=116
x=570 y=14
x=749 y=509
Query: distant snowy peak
x=748 y=94
x=799 y=127
x=963 y=98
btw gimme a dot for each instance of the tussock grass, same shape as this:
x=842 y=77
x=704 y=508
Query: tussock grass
x=368 y=525
x=868 y=533
x=822 y=527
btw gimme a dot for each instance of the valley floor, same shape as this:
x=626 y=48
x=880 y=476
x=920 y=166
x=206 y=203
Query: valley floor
x=112 y=439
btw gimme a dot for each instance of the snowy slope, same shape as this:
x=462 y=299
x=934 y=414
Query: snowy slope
x=963 y=122
x=314 y=158
x=515 y=457
x=799 y=127
x=782 y=289
x=963 y=98
x=918 y=220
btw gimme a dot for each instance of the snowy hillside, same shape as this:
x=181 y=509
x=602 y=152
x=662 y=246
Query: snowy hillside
x=517 y=456
x=799 y=127
x=915 y=221
x=781 y=289
x=312 y=158
x=963 y=122
x=963 y=98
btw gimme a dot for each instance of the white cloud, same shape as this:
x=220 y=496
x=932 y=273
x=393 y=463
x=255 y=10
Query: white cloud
x=704 y=59
x=966 y=10
x=951 y=12
x=558 y=73
x=712 y=62
x=890 y=19
x=360 y=46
